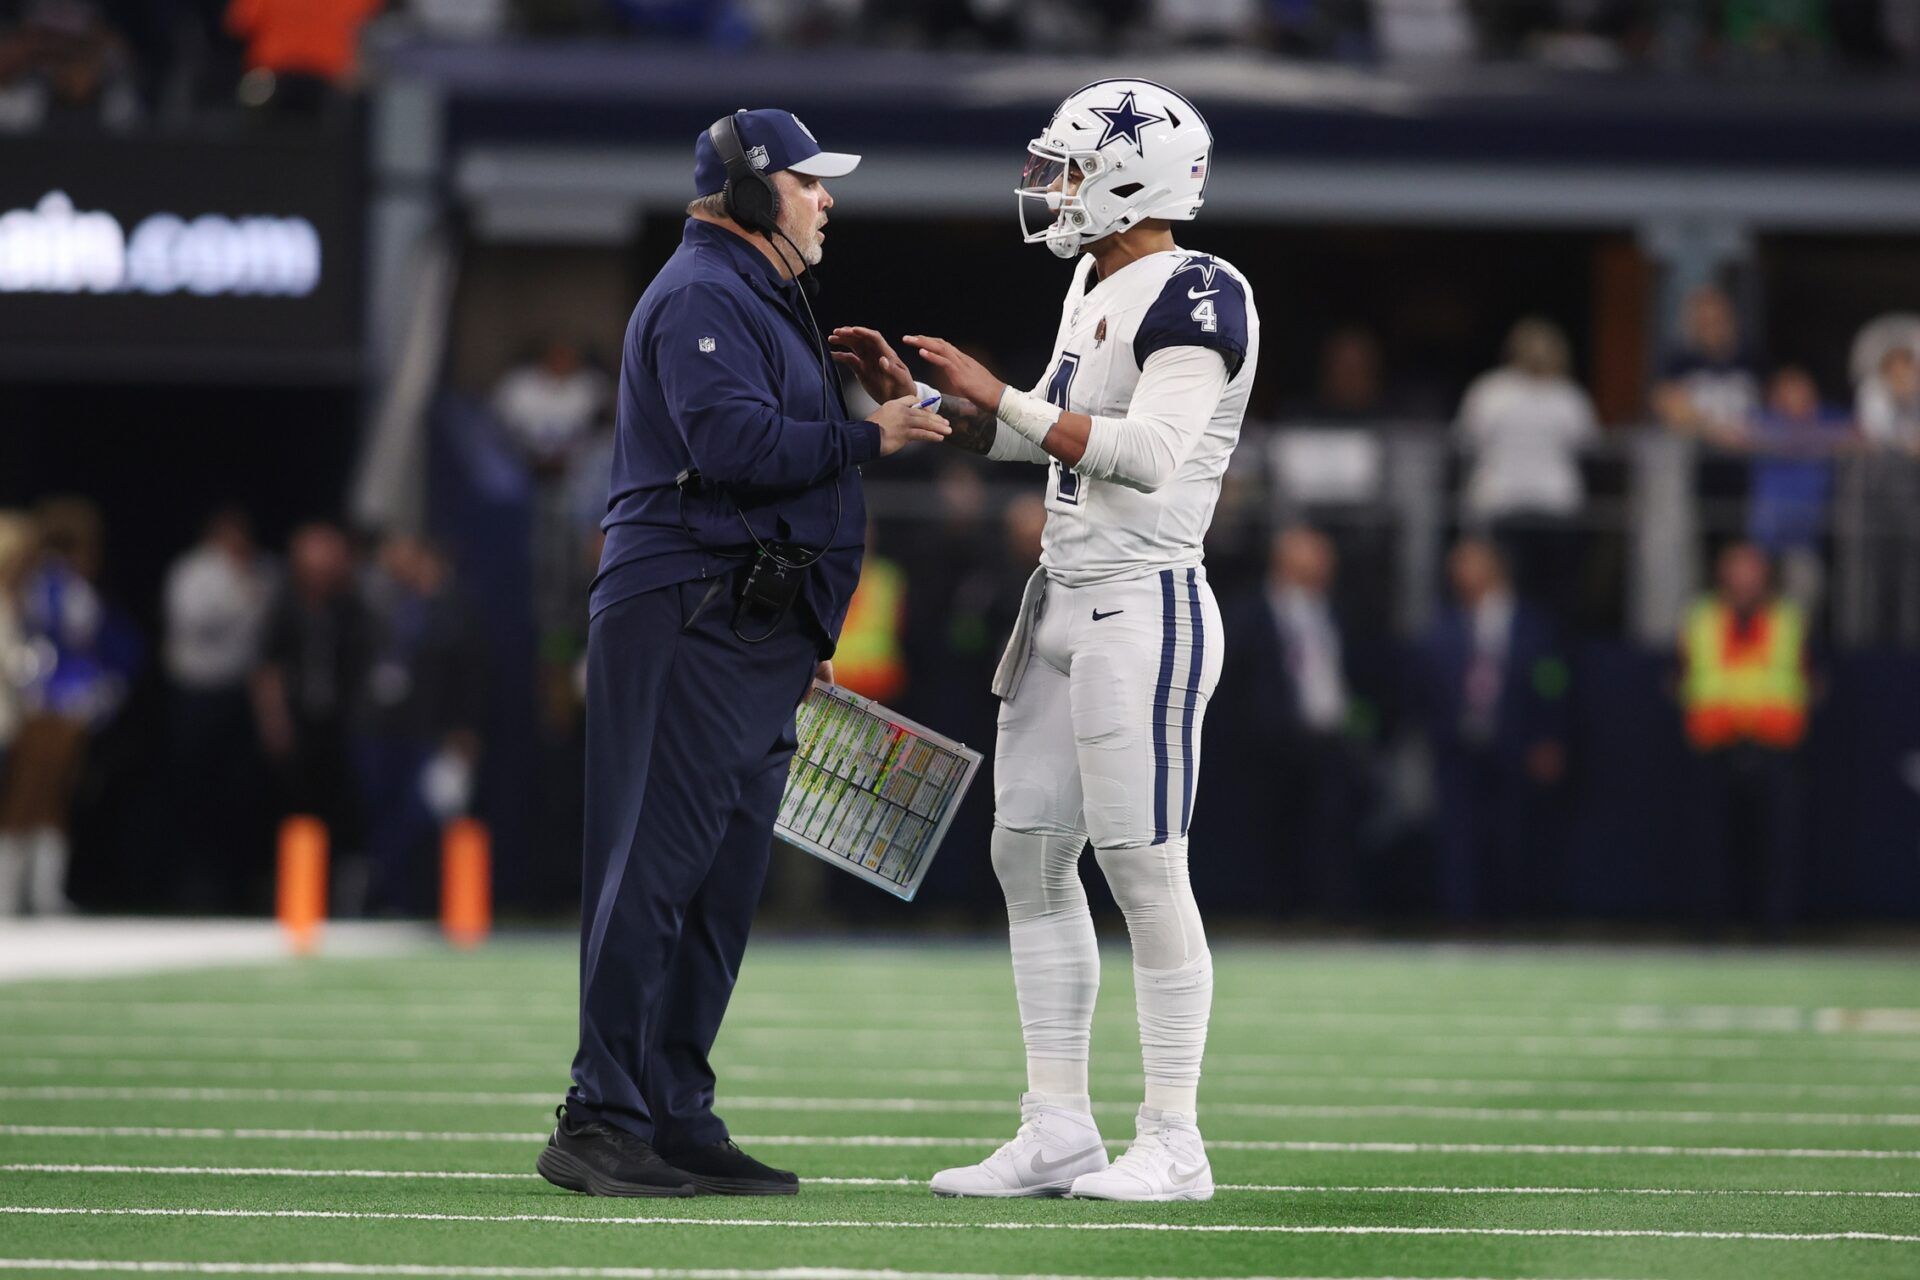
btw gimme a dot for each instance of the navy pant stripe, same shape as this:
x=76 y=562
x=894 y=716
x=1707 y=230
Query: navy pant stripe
x=1187 y=778
x=1162 y=695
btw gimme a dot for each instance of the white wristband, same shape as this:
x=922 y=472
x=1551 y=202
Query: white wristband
x=1028 y=414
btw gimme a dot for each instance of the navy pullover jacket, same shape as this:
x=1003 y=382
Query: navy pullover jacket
x=720 y=373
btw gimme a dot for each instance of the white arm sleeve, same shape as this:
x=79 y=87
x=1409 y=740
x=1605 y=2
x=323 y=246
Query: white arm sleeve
x=1178 y=391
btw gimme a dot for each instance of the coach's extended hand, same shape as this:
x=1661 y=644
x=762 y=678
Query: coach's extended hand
x=882 y=373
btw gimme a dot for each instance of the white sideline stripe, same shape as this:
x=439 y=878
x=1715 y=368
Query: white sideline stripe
x=564 y=1273
x=69 y=1068
x=245 y=1171
x=895 y=1140
x=1768 y=1019
x=842 y=1224
x=969 y=1106
x=1873 y=1053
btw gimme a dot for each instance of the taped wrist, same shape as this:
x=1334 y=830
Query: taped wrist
x=1028 y=414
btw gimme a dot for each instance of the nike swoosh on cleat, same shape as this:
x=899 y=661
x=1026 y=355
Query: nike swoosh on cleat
x=1097 y=615
x=1047 y=1168
x=1181 y=1180
x=1196 y=293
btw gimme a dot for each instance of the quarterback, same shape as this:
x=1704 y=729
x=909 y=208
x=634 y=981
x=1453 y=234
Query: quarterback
x=1105 y=682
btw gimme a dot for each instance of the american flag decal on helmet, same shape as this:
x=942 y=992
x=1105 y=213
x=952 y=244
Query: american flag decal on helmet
x=1199 y=170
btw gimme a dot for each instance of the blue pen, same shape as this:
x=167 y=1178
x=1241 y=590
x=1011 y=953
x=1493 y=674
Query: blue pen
x=928 y=403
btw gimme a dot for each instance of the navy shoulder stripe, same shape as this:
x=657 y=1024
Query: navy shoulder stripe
x=1201 y=305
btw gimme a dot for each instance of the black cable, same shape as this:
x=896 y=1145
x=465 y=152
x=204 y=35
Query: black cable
x=826 y=372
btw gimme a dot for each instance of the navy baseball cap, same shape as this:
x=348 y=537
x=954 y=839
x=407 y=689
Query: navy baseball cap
x=773 y=140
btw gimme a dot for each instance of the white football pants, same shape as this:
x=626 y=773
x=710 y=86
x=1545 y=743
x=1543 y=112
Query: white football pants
x=1102 y=740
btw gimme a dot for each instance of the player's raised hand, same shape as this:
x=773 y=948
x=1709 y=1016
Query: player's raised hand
x=902 y=421
x=956 y=372
x=882 y=373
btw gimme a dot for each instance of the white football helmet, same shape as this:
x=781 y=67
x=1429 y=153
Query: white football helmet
x=1115 y=152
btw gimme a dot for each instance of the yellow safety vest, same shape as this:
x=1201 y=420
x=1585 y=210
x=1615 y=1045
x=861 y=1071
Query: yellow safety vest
x=1745 y=685
x=868 y=659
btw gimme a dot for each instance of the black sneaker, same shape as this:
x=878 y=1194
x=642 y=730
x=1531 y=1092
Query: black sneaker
x=723 y=1169
x=604 y=1161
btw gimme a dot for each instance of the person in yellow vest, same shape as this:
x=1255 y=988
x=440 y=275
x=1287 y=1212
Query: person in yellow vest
x=1745 y=690
x=869 y=659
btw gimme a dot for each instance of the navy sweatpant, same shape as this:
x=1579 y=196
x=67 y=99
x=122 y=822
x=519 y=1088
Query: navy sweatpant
x=689 y=732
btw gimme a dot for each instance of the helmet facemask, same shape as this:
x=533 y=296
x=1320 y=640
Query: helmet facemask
x=1053 y=207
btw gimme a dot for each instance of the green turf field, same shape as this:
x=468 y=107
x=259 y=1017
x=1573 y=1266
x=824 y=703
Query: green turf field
x=1370 y=1111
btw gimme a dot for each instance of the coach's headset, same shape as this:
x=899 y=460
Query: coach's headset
x=751 y=199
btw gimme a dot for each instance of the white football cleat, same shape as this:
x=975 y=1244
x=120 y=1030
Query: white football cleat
x=1052 y=1148
x=1167 y=1161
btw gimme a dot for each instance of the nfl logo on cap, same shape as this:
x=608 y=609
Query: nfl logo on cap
x=757 y=157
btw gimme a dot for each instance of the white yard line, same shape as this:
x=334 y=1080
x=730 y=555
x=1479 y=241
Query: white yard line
x=897 y=1140
x=147 y=1266
x=964 y=1106
x=434 y=1175
x=759 y=1009
x=915 y=1041
x=70 y=1068
x=842 y=1224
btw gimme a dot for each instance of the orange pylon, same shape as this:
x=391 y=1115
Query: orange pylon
x=302 y=894
x=466 y=882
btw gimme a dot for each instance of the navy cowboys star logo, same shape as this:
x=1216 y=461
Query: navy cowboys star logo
x=1200 y=262
x=1124 y=121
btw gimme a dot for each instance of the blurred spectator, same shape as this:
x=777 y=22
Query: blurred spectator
x=313 y=661
x=953 y=567
x=869 y=659
x=216 y=600
x=1524 y=425
x=551 y=405
x=1888 y=408
x=65 y=61
x=82 y=655
x=1285 y=705
x=1590 y=35
x=724 y=24
x=418 y=738
x=1350 y=389
x=1330 y=29
x=1888 y=403
x=550 y=408
x=1777 y=33
x=1205 y=22
x=1707 y=388
x=1493 y=692
x=1424 y=30
x=17 y=538
x=299 y=52
x=1745 y=691
x=1792 y=485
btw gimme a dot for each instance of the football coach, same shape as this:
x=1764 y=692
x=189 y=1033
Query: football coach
x=734 y=528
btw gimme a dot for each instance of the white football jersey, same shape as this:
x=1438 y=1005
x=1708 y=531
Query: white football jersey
x=1100 y=531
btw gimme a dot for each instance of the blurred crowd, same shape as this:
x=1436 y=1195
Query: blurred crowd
x=1361 y=761
x=124 y=62
x=1337 y=734
x=339 y=681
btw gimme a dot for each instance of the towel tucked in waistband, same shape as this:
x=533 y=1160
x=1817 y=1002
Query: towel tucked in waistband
x=1013 y=663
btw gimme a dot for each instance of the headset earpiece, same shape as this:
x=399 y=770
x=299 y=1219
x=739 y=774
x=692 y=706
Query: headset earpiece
x=751 y=198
